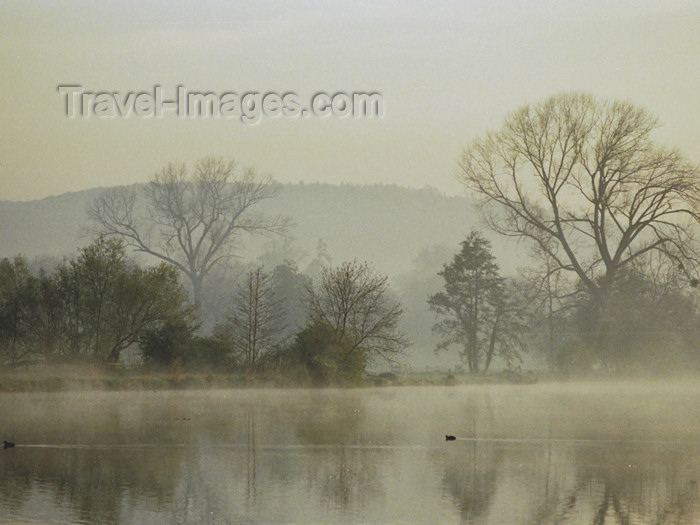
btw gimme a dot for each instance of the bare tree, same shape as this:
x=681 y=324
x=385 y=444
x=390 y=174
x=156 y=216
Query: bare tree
x=255 y=320
x=582 y=179
x=190 y=221
x=353 y=300
x=551 y=295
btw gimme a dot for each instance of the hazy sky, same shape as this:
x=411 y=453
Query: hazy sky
x=447 y=72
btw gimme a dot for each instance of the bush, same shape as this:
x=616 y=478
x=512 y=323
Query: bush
x=210 y=353
x=315 y=355
x=174 y=346
x=161 y=346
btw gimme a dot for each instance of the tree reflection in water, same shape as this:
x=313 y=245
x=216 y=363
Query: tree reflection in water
x=586 y=483
x=352 y=456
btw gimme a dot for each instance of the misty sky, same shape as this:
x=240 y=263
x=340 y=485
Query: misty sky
x=448 y=71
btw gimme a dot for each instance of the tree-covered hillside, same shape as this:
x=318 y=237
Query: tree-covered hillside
x=387 y=225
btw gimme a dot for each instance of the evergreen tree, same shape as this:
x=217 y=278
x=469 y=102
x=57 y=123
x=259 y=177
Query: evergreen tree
x=477 y=309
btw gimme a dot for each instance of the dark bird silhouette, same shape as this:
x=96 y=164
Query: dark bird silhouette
x=7 y=444
x=450 y=438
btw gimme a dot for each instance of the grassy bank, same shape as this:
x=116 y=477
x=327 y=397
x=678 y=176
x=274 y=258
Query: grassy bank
x=67 y=383
x=125 y=380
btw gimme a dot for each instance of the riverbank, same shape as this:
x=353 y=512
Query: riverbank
x=128 y=380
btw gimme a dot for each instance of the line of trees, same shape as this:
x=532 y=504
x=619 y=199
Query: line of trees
x=101 y=303
x=90 y=308
x=96 y=306
x=611 y=218
x=652 y=321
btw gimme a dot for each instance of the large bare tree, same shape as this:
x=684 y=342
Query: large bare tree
x=582 y=179
x=190 y=221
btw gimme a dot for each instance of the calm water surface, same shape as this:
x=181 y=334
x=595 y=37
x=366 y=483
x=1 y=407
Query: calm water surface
x=561 y=453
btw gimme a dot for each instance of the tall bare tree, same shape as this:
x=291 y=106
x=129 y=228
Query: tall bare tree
x=582 y=179
x=190 y=221
x=255 y=320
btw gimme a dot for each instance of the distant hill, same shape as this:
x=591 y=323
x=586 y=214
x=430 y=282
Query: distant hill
x=50 y=226
x=385 y=225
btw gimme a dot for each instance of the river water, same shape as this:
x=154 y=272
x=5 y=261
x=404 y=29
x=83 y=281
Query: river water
x=546 y=453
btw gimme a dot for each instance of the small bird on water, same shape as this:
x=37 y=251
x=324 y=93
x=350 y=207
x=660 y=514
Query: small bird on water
x=7 y=444
x=450 y=438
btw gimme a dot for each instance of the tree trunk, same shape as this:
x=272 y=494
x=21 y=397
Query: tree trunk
x=601 y=341
x=114 y=355
x=470 y=358
x=492 y=345
x=550 y=319
x=196 y=288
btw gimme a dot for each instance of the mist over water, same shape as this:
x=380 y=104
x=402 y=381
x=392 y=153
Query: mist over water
x=559 y=453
